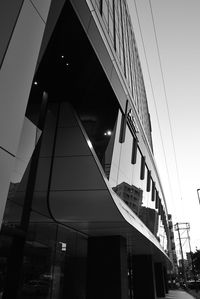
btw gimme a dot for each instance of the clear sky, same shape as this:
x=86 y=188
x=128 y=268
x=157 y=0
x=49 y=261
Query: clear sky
x=177 y=24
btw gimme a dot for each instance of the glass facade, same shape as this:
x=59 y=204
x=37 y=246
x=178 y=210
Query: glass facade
x=118 y=26
x=129 y=179
x=123 y=171
x=76 y=147
x=54 y=256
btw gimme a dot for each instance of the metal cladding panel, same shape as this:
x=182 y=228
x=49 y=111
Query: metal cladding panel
x=42 y=7
x=17 y=74
x=7 y=24
x=6 y=166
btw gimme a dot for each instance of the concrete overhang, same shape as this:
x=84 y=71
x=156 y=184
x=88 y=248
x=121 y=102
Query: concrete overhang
x=103 y=213
x=81 y=198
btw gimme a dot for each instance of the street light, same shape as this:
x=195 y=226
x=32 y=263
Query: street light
x=198 y=195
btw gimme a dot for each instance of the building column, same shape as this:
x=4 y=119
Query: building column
x=166 y=279
x=107 y=268
x=143 y=277
x=160 y=280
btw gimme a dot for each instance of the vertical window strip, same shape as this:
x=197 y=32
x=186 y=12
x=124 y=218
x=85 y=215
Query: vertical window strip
x=108 y=6
x=148 y=189
x=126 y=57
x=139 y=85
x=111 y=21
x=162 y=214
x=101 y=7
x=128 y=50
x=118 y=32
x=139 y=88
x=153 y=191
x=126 y=45
x=123 y=125
x=129 y=53
x=157 y=199
x=159 y=207
x=122 y=31
x=134 y=151
x=142 y=168
x=116 y=29
x=143 y=99
x=114 y=25
x=136 y=77
x=133 y=68
x=120 y=36
x=105 y=13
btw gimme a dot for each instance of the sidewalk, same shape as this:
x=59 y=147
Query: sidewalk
x=177 y=294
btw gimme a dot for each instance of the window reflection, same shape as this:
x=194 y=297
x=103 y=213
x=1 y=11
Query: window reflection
x=99 y=123
x=54 y=261
x=133 y=183
x=131 y=195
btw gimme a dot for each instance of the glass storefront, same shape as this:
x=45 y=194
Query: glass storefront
x=53 y=257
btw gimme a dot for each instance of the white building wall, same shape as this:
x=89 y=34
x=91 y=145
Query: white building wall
x=16 y=77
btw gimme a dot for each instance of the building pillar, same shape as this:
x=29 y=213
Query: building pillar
x=143 y=277
x=107 y=268
x=166 y=279
x=160 y=280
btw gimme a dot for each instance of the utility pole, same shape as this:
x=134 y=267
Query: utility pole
x=193 y=270
x=177 y=227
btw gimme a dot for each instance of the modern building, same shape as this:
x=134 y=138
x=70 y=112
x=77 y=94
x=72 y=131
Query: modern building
x=74 y=124
x=172 y=252
x=131 y=195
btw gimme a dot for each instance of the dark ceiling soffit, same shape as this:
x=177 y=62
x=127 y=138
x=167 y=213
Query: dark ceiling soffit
x=53 y=16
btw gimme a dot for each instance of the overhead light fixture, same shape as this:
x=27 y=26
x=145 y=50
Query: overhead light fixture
x=108 y=133
x=35 y=83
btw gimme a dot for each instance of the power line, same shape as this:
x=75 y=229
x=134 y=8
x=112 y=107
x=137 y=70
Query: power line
x=165 y=93
x=152 y=90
